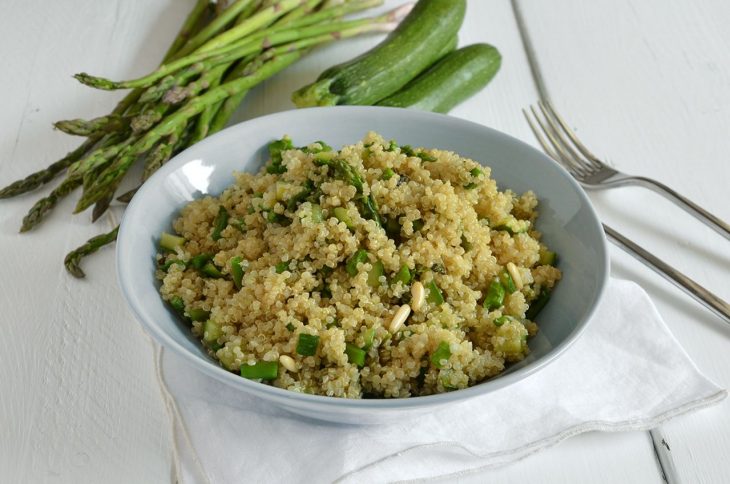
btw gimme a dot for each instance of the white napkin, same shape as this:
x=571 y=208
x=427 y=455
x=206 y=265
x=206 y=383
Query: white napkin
x=626 y=372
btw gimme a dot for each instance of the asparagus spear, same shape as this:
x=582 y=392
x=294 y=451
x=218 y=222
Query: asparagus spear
x=74 y=257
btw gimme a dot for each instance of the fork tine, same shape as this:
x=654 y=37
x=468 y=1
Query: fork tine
x=571 y=134
x=583 y=166
x=564 y=157
x=540 y=139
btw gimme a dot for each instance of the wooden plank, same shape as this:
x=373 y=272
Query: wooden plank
x=645 y=84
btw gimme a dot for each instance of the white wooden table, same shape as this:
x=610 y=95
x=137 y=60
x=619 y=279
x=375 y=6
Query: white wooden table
x=646 y=83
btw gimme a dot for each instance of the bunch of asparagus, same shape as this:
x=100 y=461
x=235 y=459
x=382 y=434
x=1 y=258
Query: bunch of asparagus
x=221 y=52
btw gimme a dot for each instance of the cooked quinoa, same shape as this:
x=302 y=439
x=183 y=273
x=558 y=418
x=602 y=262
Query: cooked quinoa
x=294 y=275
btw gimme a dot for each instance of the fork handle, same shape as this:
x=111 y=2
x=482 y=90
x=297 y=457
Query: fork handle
x=699 y=293
x=686 y=204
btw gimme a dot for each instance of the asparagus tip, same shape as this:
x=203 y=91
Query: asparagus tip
x=96 y=82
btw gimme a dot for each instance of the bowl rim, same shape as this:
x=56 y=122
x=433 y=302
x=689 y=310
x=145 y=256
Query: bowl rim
x=125 y=279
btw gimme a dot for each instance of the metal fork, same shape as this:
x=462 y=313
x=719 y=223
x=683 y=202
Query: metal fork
x=593 y=173
x=565 y=148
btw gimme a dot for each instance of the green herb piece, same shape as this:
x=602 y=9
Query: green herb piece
x=307 y=344
x=236 y=270
x=281 y=267
x=495 y=296
x=197 y=314
x=403 y=275
x=375 y=273
x=388 y=173
x=418 y=224
x=475 y=172
x=506 y=279
x=171 y=242
x=355 y=355
x=434 y=294
x=220 y=222
x=342 y=215
x=538 y=304
x=443 y=352
x=261 y=370
x=290 y=326
x=359 y=257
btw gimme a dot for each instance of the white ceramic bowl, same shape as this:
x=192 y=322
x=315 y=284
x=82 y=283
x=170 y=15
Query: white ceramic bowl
x=567 y=221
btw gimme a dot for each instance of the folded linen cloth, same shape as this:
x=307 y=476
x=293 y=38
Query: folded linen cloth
x=626 y=372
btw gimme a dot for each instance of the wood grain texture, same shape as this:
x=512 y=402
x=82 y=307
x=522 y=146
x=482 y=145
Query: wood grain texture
x=80 y=401
x=646 y=85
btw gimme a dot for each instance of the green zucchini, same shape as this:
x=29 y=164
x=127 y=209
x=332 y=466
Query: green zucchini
x=417 y=42
x=453 y=79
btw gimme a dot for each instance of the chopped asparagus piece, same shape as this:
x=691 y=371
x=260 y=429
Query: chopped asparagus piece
x=307 y=344
x=375 y=273
x=442 y=354
x=355 y=355
x=358 y=257
x=434 y=294
x=261 y=370
x=495 y=296
x=220 y=223
x=236 y=271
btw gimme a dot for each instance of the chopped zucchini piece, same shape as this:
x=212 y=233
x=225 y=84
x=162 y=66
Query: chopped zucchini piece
x=171 y=242
x=513 y=226
x=342 y=215
x=375 y=273
x=211 y=331
x=197 y=314
x=538 y=304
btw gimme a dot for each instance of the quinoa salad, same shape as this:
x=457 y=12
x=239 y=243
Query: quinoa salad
x=375 y=271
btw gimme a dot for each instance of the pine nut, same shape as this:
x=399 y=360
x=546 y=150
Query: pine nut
x=418 y=295
x=288 y=363
x=400 y=317
x=515 y=273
